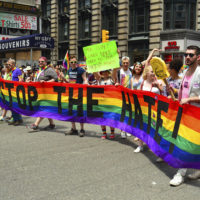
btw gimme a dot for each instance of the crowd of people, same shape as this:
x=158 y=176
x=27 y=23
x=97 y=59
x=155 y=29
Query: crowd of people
x=184 y=83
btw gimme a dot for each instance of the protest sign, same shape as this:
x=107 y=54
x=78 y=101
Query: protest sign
x=100 y=57
x=159 y=68
x=169 y=129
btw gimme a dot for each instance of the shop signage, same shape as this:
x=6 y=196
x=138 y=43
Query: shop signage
x=172 y=45
x=15 y=6
x=18 y=21
x=41 y=41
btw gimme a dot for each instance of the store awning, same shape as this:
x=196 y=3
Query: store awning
x=39 y=41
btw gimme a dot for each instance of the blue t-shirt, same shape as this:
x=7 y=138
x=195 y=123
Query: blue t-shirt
x=17 y=72
x=75 y=75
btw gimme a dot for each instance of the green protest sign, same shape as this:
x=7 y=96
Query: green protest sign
x=101 y=56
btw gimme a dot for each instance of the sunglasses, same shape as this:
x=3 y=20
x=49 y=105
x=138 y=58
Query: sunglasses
x=189 y=54
x=41 y=61
x=73 y=62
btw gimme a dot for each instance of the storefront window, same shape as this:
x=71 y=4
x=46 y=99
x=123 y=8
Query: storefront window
x=179 y=14
x=139 y=16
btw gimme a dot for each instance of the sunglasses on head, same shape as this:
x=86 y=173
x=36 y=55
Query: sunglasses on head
x=73 y=62
x=189 y=54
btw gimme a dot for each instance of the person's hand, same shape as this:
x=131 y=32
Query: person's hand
x=169 y=89
x=184 y=101
x=155 y=84
x=155 y=49
x=28 y=80
x=42 y=81
x=117 y=84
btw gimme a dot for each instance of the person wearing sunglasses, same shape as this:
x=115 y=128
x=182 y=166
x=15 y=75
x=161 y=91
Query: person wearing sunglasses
x=44 y=74
x=16 y=75
x=76 y=74
x=189 y=93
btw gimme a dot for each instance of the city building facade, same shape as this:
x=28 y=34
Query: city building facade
x=136 y=26
x=18 y=18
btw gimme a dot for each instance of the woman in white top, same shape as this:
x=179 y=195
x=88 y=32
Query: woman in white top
x=150 y=84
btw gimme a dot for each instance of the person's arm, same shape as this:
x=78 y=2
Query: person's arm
x=97 y=76
x=131 y=83
x=147 y=63
x=114 y=75
x=190 y=100
x=51 y=73
x=84 y=78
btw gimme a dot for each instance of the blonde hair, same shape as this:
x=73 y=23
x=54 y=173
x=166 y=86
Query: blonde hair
x=11 y=60
x=146 y=70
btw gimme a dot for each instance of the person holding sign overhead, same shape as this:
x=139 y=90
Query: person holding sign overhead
x=76 y=75
x=150 y=84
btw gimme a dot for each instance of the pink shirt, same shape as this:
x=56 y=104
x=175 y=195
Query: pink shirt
x=185 y=87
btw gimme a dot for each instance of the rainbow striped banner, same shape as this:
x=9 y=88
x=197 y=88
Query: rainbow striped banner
x=170 y=130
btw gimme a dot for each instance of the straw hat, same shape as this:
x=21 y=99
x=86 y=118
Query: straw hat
x=28 y=68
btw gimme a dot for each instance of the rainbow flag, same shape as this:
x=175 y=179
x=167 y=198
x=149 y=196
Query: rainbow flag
x=169 y=129
x=66 y=61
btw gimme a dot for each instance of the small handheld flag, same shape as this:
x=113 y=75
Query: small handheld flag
x=66 y=61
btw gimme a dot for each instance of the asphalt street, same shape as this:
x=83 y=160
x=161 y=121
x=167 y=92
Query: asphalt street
x=47 y=165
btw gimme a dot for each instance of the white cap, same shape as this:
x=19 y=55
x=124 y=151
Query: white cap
x=28 y=68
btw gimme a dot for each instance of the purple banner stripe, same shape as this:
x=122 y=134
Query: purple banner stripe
x=151 y=143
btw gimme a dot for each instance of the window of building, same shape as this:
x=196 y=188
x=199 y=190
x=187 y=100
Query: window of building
x=46 y=27
x=62 y=50
x=63 y=29
x=110 y=17
x=84 y=4
x=84 y=23
x=46 y=16
x=63 y=6
x=139 y=16
x=179 y=14
x=84 y=19
x=46 y=8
